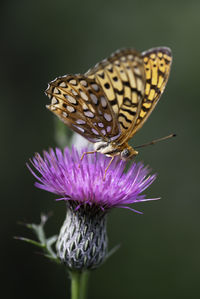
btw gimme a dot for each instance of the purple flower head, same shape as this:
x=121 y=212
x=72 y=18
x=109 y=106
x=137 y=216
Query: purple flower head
x=82 y=182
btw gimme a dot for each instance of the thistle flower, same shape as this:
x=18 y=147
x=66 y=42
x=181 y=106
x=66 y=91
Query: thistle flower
x=82 y=243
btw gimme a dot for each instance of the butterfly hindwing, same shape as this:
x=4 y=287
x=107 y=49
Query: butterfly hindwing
x=80 y=103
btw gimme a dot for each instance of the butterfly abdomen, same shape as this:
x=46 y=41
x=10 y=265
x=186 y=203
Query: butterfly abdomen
x=106 y=148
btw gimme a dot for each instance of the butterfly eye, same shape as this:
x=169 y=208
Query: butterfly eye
x=125 y=154
x=128 y=153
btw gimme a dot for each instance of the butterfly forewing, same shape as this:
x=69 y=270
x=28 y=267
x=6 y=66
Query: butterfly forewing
x=122 y=79
x=157 y=63
x=81 y=104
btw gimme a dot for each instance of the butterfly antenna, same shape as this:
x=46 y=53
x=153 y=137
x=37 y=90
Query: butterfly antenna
x=155 y=141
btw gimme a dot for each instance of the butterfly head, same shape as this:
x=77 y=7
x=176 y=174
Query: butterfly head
x=128 y=153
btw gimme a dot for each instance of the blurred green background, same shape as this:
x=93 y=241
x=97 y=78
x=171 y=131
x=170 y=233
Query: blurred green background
x=160 y=250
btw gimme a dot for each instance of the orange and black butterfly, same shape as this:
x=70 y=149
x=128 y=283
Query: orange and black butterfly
x=108 y=104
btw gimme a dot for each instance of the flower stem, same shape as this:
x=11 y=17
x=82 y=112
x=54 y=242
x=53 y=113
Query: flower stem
x=75 y=284
x=84 y=285
x=78 y=284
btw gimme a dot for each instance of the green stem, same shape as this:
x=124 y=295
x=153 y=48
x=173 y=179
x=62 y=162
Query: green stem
x=84 y=285
x=75 y=284
x=79 y=282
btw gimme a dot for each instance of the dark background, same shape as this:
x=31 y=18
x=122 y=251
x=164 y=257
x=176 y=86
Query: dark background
x=160 y=250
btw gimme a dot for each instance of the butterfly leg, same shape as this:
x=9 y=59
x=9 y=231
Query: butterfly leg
x=108 y=167
x=87 y=153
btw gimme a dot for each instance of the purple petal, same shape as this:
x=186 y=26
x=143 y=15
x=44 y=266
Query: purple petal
x=63 y=173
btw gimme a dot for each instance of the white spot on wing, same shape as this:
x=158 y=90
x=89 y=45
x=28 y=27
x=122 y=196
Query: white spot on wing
x=64 y=114
x=117 y=63
x=54 y=101
x=70 y=99
x=108 y=129
x=80 y=121
x=101 y=125
x=70 y=108
x=62 y=84
x=115 y=137
x=130 y=57
x=84 y=96
x=95 y=87
x=84 y=106
x=103 y=102
x=79 y=128
x=94 y=98
x=74 y=92
x=107 y=116
x=73 y=82
x=89 y=114
x=136 y=70
x=55 y=90
x=94 y=131
x=83 y=83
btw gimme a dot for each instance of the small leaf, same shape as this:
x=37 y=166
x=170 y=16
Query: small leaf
x=29 y=241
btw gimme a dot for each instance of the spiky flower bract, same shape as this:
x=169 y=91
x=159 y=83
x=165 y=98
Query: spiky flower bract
x=82 y=243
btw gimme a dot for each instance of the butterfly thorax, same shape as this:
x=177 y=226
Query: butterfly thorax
x=112 y=149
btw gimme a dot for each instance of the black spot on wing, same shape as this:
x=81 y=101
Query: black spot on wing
x=124 y=116
x=119 y=92
x=128 y=111
x=123 y=126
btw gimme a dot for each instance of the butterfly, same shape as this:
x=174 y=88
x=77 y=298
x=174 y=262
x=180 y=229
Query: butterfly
x=110 y=102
